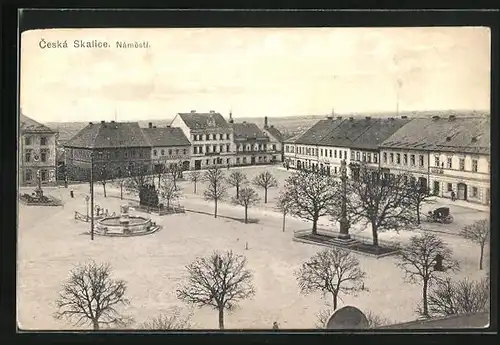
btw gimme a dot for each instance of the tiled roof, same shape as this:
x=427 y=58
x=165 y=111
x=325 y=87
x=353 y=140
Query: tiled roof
x=109 y=135
x=378 y=131
x=275 y=133
x=204 y=120
x=293 y=139
x=472 y=320
x=247 y=131
x=27 y=124
x=166 y=136
x=461 y=134
x=318 y=132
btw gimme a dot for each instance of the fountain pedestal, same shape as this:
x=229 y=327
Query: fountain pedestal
x=124 y=218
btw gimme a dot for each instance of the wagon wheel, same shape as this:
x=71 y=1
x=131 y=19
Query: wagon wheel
x=449 y=219
x=428 y=218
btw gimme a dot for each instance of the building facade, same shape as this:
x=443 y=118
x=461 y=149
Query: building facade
x=251 y=144
x=211 y=137
x=111 y=149
x=37 y=153
x=169 y=146
x=276 y=142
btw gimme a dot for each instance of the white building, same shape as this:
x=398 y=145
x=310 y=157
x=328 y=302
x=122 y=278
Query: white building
x=276 y=141
x=211 y=138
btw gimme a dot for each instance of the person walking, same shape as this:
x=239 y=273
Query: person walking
x=453 y=196
x=275 y=326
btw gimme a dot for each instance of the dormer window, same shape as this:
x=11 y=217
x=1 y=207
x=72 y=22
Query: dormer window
x=474 y=139
x=448 y=138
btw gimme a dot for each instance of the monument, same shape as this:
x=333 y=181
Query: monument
x=348 y=317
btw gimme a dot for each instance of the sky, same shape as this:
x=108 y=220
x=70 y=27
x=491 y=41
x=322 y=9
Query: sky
x=254 y=72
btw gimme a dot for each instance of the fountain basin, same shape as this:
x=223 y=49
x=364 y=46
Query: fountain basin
x=114 y=226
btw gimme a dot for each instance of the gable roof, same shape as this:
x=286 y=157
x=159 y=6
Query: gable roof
x=471 y=320
x=460 y=134
x=27 y=124
x=319 y=131
x=109 y=135
x=293 y=139
x=247 y=131
x=204 y=120
x=274 y=132
x=166 y=136
x=378 y=131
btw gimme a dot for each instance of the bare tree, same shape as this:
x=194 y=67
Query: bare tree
x=137 y=178
x=237 y=179
x=170 y=191
x=265 y=180
x=311 y=195
x=380 y=201
x=418 y=193
x=103 y=173
x=195 y=177
x=450 y=297
x=160 y=170
x=173 y=319
x=247 y=197
x=175 y=171
x=219 y=281
x=284 y=205
x=217 y=188
x=424 y=260
x=478 y=232
x=374 y=320
x=91 y=296
x=333 y=271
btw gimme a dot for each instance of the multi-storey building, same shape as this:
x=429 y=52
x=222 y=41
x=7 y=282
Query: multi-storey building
x=445 y=154
x=276 y=141
x=251 y=144
x=211 y=138
x=37 y=153
x=117 y=149
x=169 y=146
x=365 y=149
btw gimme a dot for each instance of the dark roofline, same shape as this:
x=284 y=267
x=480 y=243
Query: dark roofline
x=483 y=316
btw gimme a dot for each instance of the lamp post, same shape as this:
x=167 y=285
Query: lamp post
x=87 y=204
x=92 y=195
x=344 y=222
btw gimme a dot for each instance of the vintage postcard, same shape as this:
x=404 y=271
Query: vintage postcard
x=254 y=178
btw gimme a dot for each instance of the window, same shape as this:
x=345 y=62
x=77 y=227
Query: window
x=43 y=155
x=215 y=161
x=43 y=175
x=29 y=175
x=345 y=154
x=321 y=152
x=335 y=169
x=474 y=192
x=227 y=148
x=184 y=151
x=369 y=157
x=176 y=151
x=214 y=148
x=206 y=161
x=27 y=155
x=364 y=157
x=330 y=153
x=353 y=157
x=421 y=160
x=227 y=161
x=169 y=152
x=474 y=165
x=227 y=135
x=375 y=158
x=274 y=147
x=221 y=148
x=207 y=148
x=385 y=157
x=155 y=153
x=461 y=164
x=436 y=161
x=412 y=160
x=195 y=150
x=398 y=158
x=221 y=136
x=391 y=158
x=244 y=159
x=163 y=152
x=200 y=149
x=449 y=162
x=405 y=159
x=27 y=141
x=335 y=153
x=238 y=160
x=43 y=141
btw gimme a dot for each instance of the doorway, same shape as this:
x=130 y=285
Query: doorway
x=436 y=188
x=462 y=191
x=197 y=164
x=185 y=165
x=299 y=165
x=253 y=160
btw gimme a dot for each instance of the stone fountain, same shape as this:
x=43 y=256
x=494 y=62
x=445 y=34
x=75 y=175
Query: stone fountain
x=125 y=224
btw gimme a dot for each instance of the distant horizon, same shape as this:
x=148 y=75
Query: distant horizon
x=226 y=116
x=254 y=72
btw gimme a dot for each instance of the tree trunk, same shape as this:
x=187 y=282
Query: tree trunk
x=418 y=214
x=284 y=217
x=424 y=298
x=121 y=191
x=221 y=318
x=335 y=301
x=104 y=187
x=375 y=235
x=265 y=195
x=315 y=226
x=481 y=257
x=159 y=181
x=95 y=325
x=246 y=214
x=194 y=187
x=237 y=191
x=215 y=211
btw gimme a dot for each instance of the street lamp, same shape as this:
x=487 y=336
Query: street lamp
x=92 y=194
x=87 y=205
x=344 y=222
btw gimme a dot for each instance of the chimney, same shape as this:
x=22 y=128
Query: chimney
x=368 y=117
x=265 y=122
x=168 y=126
x=452 y=117
x=244 y=122
x=448 y=138
x=351 y=118
x=212 y=112
x=329 y=116
x=435 y=117
x=404 y=117
x=112 y=121
x=90 y=123
x=150 y=125
x=231 y=117
x=193 y=111
x=103 y=121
